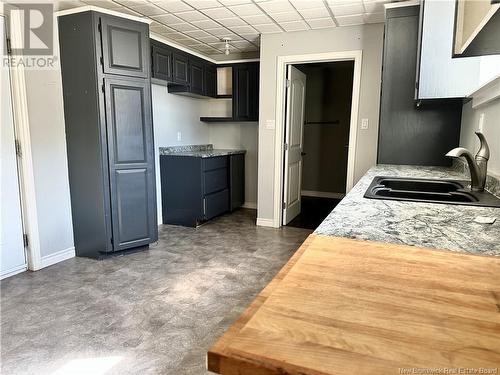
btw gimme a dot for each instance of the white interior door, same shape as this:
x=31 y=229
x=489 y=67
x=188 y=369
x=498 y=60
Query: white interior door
x=12 y=255
x=294 y=136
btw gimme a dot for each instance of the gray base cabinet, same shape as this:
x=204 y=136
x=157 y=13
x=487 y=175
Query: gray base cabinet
x=109 y=133
x=196 y=189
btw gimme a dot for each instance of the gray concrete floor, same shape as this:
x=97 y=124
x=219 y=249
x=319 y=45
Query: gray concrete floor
x=151 y=312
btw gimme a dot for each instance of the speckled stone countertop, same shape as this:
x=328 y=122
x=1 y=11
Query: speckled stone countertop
x=440 y=226
x=198 y=151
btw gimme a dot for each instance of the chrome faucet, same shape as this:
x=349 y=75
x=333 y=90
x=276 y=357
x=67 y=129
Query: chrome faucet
x=478 y=166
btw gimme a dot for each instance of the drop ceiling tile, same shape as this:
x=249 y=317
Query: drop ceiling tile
x=307 y=4
x=242 y=44
x=168 y=19
x=320 y=23
x=184 y=27
x=208 y=39
x=230 y=22
x=255 y=38
x=148 y=9
x=203 y=4
x=246 y=10
x=374 y=17
x=276 y=6
x=374 y=6
x=257 y=20
x=221 y=32
x=285 y=16
x=348 y=9
x=356 y=19
x=207 y=24
x=197 y=34
x=294 y=26
x=234 y=2
x=103 y=4
x=268 y=28
x=244 y=30
x=315 y=13
x=129 y=11
x=192 y=15
x=172 y=5
x=217 y=13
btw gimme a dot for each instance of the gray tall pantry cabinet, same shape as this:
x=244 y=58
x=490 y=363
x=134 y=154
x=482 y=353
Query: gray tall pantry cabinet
x=109 y=133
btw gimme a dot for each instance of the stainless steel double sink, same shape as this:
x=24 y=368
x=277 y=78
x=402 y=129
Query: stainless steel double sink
x=429 y=191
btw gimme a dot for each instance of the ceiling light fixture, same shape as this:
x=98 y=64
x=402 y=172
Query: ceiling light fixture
x=226 y=47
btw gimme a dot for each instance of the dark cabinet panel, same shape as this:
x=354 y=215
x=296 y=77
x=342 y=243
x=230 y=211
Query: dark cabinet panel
x=109 y=132
x=130 y=145
x=180 y=68
x=215 y=180
x=210 y=88
x=125 y=47
x=216 y=204
x=195 y=189
x=411 y=134
x=237 y=180
x=196 y=76
x=246 y=92
x=161 y=62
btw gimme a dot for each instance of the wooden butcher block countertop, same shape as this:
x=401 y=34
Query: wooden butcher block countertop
x=343 y=306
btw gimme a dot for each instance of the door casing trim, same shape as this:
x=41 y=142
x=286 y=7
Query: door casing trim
x=281 y=66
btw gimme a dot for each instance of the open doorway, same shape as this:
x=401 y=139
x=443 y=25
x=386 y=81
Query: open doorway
x=318 y=107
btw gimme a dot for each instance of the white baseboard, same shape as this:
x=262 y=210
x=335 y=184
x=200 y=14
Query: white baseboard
x=322 y=194
x=13 y=271
x=57 y=257
x=265 y=223
x=252 y=205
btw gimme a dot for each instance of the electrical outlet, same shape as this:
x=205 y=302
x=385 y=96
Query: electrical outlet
x=364 y=124
x=480 y=126
x=179 y=136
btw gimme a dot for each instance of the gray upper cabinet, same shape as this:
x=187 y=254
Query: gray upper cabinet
x=125 y=47
x=105 y=65
x=439 y=74
x=161 y=60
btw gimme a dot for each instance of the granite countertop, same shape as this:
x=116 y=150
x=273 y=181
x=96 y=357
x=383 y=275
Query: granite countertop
x=198 y=151
x=440 y=226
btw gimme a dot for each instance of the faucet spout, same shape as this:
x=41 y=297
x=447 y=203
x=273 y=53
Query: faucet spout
x=473 y=168
x=477 y=165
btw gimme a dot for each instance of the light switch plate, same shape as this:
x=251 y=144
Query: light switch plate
x=364 y=124
x=481 y=123
x=270 y=124
x=179 y=136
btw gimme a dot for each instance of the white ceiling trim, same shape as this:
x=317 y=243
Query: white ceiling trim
x=87 y=8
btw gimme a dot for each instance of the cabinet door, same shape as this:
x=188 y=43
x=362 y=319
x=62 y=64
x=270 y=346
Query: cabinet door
x=237 y=180
x=161 y=62
x=125 y=47
x=180 y=68
x=210 y=87
x=246 y=92
x=196 y=76
x=131 y=162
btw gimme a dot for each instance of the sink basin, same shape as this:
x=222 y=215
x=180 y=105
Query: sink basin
x=428 y=190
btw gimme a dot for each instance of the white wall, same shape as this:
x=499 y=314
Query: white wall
x=48 y=142
x=173 y=114
x=176 y=113
x=369 y=39
x=491 y=130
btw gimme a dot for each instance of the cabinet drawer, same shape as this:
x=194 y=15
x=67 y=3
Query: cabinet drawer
x=214 y=163
x=216 y=204
x=215 y=180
